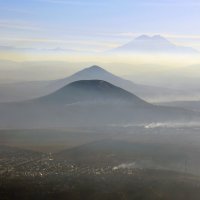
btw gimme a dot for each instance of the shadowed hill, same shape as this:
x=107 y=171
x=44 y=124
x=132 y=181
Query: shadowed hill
x=88 y=103
x=97 y=73
x=30 y=90
x=91 y=91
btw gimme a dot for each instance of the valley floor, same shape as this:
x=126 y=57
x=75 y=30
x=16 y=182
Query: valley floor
x=100 y=163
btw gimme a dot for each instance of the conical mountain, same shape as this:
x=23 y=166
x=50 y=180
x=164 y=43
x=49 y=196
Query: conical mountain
x=88 y=103
x=97 y=73
x=153 y=44
x=90 y=73
x=91 y=91
x=30 y=90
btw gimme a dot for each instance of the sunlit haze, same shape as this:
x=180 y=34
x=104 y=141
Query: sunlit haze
x=85 y=31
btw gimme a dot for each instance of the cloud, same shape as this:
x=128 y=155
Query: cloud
x=135 y=2
x=169 y=3
x=23 y=49
x=75 y=2
x=171 y=125
x=20 y=25
x=57 y=45
x=178 y=36
x=167 y=35
x=20 y=11
x=44 y=40
x=90 y=44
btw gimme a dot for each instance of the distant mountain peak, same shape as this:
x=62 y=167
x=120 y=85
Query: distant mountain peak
x=158 y=37
x=90 y=73
x=153 y=44
x=93 y=72
x=143 y=37
x=95 y=68
x=151 y=38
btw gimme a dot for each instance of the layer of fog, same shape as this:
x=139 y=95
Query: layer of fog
x=182 y=71
x=153 y=125
x=139 y=164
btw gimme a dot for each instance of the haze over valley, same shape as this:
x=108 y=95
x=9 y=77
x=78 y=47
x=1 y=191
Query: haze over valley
x=99 y=100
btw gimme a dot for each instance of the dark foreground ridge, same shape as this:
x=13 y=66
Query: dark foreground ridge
x=42 y=176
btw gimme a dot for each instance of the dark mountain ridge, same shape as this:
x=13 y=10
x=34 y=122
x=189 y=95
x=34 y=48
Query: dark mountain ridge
x=95 y=72
x=88 y=103
x=29 y=90
x=90 y=91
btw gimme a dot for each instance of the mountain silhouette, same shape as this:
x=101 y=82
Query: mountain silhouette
x=95 y=72
x=88 y=103
x=154 y=44
x=91 y=91
x=89 y=73
x=29 y=90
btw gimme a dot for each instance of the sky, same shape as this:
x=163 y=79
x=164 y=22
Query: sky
x=95 y=26
x=49 y=30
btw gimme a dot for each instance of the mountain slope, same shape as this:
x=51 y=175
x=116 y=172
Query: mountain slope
x=90 y=91
x=191 y=105
x=29 y=90
x=154 y=44
x=88 y=103
x=90 y=73
x=143 y=91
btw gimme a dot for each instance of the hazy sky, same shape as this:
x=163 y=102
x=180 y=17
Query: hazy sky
x=91 y=25
x=39 y=31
